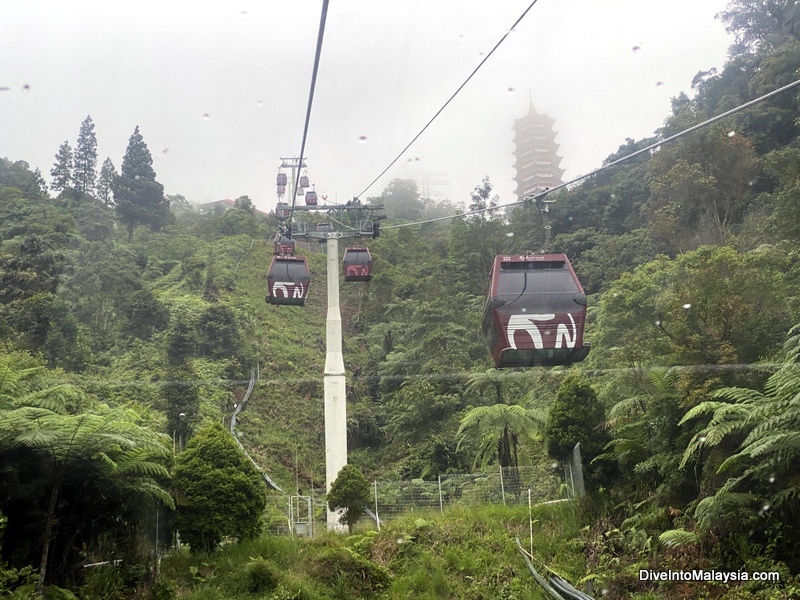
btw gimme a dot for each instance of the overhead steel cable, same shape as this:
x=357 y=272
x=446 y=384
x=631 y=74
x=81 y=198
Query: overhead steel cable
x=320 y=35
x=449 y=100
x=614 y=163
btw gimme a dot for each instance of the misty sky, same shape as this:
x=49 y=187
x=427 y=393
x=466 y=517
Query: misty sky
x=219 y=89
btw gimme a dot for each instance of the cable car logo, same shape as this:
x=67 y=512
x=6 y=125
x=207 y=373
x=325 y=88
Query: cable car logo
x=297 y=289
x=564 y=338
x=356 y=270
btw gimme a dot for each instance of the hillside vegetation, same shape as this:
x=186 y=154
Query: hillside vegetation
x=129 y=324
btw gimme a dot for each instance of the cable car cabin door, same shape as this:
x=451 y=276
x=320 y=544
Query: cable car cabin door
x=535 y=312
x=357 y=264
x=288 y=280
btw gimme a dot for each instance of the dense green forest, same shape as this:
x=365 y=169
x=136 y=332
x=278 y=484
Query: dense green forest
x=130 y=321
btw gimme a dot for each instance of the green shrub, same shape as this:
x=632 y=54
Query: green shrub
x=335 y=565
x=262 y=576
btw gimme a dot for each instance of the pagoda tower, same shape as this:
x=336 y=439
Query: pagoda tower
x=536 y=153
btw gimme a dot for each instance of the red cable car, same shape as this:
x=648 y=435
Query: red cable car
x=288 y=280
x=303 y=181
x=282 y=179
x=311 y=198
x=281 y=190
x=357 y=264
x=283 y=246
x=535 y=312
x=282 y=210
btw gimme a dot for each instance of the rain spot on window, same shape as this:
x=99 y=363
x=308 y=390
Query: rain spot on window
x=510 y=90
x=400 y=540
x=687 y=306
x=206 y=116
x=659 y=83
x=26 y=88
x=701 y=439
x=4 y=89
x=362 y=139
x=510 y=234
x=636 y=48
x=731 y=133
x=260 y=103
x=772 y=478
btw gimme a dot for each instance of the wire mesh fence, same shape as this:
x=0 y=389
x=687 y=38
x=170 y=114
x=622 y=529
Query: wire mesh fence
x=306 y=514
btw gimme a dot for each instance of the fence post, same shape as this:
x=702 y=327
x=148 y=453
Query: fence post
x=577 y=471
x=441 y=509
x=377 y=516
x=502 y=486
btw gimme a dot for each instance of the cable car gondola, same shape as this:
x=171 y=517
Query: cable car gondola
x=288 y=280
x=535 y=312
x=283 y=245
x=357 y=264
x=282 y=210
x=303 y=181
x=311 y=198
x=282 y=179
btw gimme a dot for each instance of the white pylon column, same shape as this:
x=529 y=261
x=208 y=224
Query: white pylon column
x=335 y=399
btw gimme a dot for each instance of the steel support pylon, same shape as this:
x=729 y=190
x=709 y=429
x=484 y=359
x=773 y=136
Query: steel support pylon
x=335 y=394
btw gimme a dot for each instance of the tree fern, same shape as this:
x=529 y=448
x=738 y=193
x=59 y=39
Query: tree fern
x=675 y=538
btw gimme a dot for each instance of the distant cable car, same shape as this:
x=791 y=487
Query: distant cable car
x=303 y=181
x=281 y=190
x=288 y=280
x=535 y=312
x=282 y=210
x=283 y=246
x=311 y=198
x=357 y=264
x=282 y=179
x=325 y=226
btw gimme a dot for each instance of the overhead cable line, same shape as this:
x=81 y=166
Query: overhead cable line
x=614 y=163
x=322 y=18
x=449 y=100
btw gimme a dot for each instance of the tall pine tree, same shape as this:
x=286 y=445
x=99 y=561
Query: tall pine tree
x=139 y=197
x=85 y=159
x=104 y=182
x=62 y=169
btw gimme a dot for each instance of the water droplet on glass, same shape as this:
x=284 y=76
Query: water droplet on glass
x=636 y=48
x=658 y=323
x=416 y=159
x=400 y=540
x=26 y=88
x=701 y=439
x=659 y=83
x=362 y=138
x=165 y=150
x=731 y=133
x=510 y=234
x=613 y=196
x=604 y=591
x=410 y=160
x=569 y=218
x=510 y=90
x=554 y=465
x=206 y=116
x=4 y=89
x=772 y=478
x=524 y=310
x=687 y=306
x=481 y=53
x=766 y=506
x=260 y=103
